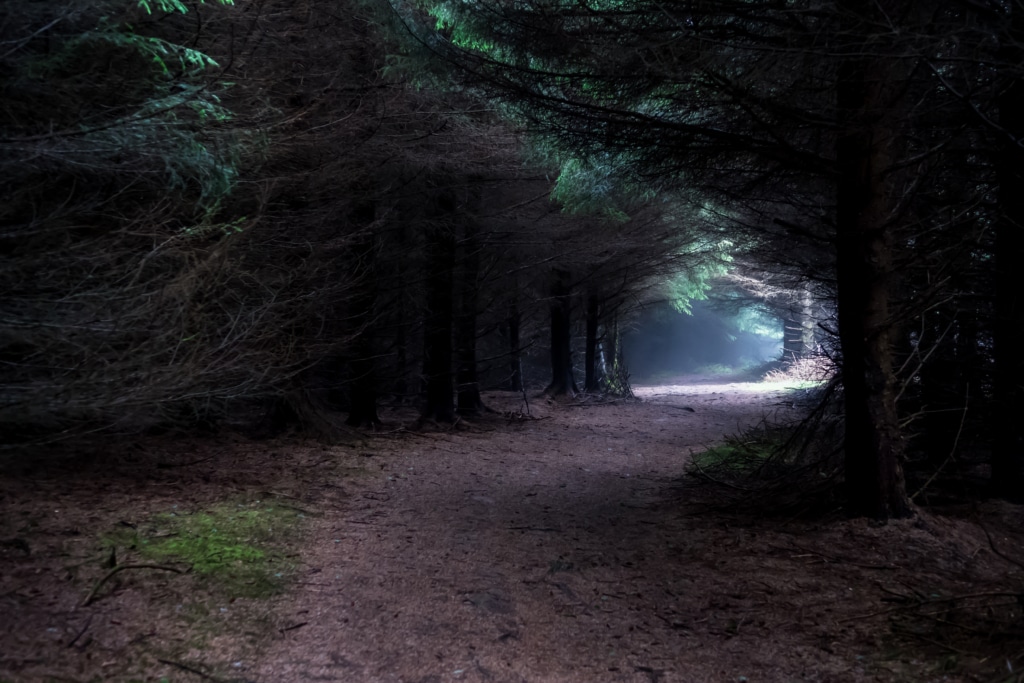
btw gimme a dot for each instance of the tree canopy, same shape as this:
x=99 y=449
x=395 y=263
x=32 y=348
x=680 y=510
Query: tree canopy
x=274 y=212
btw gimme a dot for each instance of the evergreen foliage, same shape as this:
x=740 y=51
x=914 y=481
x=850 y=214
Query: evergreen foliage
x=207 y=210
x=833 y=133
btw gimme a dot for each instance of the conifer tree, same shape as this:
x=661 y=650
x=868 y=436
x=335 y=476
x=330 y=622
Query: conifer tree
x=812 y=109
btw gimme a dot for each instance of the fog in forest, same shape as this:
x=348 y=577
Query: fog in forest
x=664 y=342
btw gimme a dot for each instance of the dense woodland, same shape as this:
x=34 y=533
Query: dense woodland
x=283 y=213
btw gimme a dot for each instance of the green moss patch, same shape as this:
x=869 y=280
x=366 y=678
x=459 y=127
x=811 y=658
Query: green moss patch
x=239 y=546
x=735 y=457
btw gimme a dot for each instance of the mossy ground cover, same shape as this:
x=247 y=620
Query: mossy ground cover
x=236 y=546
x=86 y=539
x=235 y=555
x=735 y=457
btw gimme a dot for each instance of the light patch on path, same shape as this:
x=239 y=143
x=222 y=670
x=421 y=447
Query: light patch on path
x=551 y=550
x=737 y=388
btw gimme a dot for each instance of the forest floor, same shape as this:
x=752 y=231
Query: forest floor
x=567 y=545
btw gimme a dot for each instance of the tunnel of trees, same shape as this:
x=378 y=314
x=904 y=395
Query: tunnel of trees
x=277 y=212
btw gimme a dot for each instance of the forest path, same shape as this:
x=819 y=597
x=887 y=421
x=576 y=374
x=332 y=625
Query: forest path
x=565 y=548
x=553 y=550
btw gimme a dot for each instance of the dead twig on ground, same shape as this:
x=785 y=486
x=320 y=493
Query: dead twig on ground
x=668 y=405
x=88 y=622
x=189 y=669
x=832 y=558
x=997 y=551
x=933 y=601
x=580 y=404
x=172 y=465
x=703 y=473
x=293 y=627
x=120 y=568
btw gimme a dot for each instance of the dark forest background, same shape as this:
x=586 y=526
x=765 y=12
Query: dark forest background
x=267 y=214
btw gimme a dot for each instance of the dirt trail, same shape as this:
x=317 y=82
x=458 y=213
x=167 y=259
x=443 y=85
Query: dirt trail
x=569 y=547
x=555 y=551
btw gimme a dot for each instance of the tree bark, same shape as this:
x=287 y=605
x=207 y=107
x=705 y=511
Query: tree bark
x=616 y=378
x=437 y=334
x=515 y=363
x=592 y=381
x=403 y=369
x=798 y=328
x=611 y=349
x=402 y=383
x=868 y=135
x=363 y=390
x=792 y=349
x=562 y=380
x=466 y=380
x=1008 y=441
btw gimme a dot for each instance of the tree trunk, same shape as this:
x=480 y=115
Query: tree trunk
x=363 y=399
x=868 y=134
x=798 y=327
x=792 y=349
x=611 y=348
x=807 y=323
x=515 y=363
x=402 y=382
x=616 y=377
x=403 y=367
x=437 y=334
x=940 y=391
x=592 y=382
x=1008 y=441
x=562 y=380
x=363 y=390
x=467 y=383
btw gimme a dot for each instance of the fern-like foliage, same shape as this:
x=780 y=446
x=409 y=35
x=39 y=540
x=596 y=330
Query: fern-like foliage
x=106 y=98
x=171 y=5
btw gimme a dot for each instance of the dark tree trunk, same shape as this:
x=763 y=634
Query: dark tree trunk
x=611 y=348
x=515 y=364
x=363 y=391
x=868 y=130
x=798 y=328
x=562 y=380
x=468 y=385
x=437 y=335
x=1008 y=441
x=616 y=378
x=947 y=352
x=402 y=383
x=400 y=386
x=592 y=382
x=967 y=354
x=792 y=349
x=363 y=401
